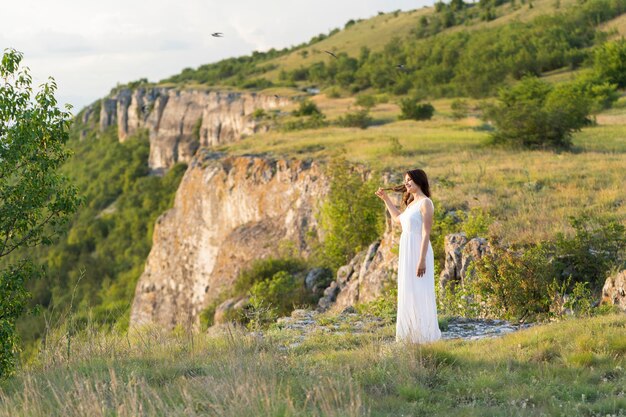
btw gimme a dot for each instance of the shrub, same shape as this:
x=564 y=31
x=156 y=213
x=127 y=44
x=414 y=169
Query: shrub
x=360 y=119
x=264 y=270
x=367 y=101
x=597 y=247
x=351 y=216
x=258 y=114
x=316 y=121
x=514 y=286
x=459 y=109
x=307 y=108
x=533 y=114
x=281 y=293
x=412 y=109
x=610 y=62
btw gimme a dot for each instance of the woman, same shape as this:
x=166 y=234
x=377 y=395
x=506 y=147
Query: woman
x=417 y=307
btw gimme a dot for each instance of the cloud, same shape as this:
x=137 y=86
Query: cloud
x=89 y=47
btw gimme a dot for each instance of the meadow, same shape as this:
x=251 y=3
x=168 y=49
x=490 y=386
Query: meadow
x=573 y=367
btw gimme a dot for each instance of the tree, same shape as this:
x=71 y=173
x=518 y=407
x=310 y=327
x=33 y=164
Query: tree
x=351 y=218
x=534 y=114
x=412 y=109
x=35 y=200
x=610 y=62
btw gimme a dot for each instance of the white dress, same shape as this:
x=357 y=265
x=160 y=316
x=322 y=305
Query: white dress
x=417 y=305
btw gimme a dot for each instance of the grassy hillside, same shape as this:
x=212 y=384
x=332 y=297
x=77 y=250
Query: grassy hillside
x=576 y=367
x=376 y=32
x=530 y=193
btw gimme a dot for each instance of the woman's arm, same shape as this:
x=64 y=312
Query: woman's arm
x=427 y=211
x=393 y=210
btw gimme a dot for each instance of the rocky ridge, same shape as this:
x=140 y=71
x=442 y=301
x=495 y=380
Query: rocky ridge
x=179 y=122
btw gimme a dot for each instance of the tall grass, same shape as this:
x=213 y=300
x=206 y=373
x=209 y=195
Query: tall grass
x=574 y=367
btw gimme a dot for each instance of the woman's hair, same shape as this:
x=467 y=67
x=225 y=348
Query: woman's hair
x=419 y=178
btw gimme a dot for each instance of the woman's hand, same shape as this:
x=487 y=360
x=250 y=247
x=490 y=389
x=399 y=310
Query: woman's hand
x=421 y=268
x=381 y=194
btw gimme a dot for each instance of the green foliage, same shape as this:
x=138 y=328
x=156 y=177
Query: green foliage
x=459 y=108
x=263 y=270
x=94 y=269
x=473 y=63
x=610 y=62
x=350 y=216
x=534 y=114
x=514 y=286
x=385 y=306
x=597 y=247
x=281 y=292
x=316 y=121
x=36 y=200
x=601 y=92
x=307 y=108
x=411 y=108
x=259 y=114
x=367 y=101
x=359 y=118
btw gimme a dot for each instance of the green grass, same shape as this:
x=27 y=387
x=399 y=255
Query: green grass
x=575 y=367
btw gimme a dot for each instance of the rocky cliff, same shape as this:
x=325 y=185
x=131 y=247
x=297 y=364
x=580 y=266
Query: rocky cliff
x=181 y=121
x=227 y=212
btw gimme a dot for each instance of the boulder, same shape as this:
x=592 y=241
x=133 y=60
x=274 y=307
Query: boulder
x=229 y=309
x=614 y=290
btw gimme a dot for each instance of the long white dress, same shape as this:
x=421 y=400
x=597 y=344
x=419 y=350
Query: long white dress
x=417 y=306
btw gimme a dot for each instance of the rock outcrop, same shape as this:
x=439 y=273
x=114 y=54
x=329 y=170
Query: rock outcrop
x=460 y=252
x=227 y=212
x=614 y=291
x=181 y=121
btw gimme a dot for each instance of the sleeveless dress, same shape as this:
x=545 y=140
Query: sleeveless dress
x=417 y=305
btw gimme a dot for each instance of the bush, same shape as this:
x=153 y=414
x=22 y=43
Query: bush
x=351 y=216
x=367 y=101
x=459 y=109
x=412 y=109
x=533 y=114
x=610 y=62
x=280 y=293
x=511 y=285
x=316 y=121
x=263 y=270
x=307 y=108
x=597 y=247
x=360 y=118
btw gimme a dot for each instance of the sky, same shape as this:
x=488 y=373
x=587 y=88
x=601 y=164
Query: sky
x=89 y=47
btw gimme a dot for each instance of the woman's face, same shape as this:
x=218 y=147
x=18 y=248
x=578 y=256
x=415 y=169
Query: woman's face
x=411 y=187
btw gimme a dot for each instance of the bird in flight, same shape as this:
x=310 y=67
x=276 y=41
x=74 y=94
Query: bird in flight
x=217 y=34
x=331 y=54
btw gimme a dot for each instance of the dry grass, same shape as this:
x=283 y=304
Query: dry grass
x=569 y=368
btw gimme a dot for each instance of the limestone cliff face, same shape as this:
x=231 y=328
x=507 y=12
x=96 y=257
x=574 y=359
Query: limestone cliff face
x=227 y=212
x=181 y=121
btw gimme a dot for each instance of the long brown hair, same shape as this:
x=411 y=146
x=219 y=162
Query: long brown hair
x=420 y=178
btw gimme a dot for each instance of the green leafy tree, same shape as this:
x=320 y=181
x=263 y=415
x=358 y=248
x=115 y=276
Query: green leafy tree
x=610 y=62
x=351 y=216
x=533 y=114
x=412 y=109
x=35 y=199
